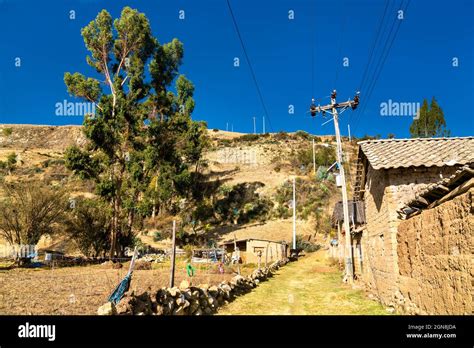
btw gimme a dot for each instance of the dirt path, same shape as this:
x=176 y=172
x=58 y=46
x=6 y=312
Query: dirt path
x=306 y=287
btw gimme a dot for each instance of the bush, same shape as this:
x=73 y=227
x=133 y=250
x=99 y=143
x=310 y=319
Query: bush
x=29 y=211
x=7 y=131
x=247 y=137
x=225 y=142
x=306 y=245
x=310 y=197
x=89 y=226
x=157 y=236
x=302 y=134
x=281 y=135
x=215 y=130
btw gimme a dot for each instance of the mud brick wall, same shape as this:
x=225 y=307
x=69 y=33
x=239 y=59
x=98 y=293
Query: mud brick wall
x=386 y=191
x=435 y=251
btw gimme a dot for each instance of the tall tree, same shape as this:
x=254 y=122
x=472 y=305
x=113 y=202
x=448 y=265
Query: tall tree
x=430 y=123
x=128 y=144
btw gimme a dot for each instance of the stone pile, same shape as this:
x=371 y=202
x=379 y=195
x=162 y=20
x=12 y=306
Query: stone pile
x=187 y=299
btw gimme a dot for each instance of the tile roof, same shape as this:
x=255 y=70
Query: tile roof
x=417 y=152
x=431 y=194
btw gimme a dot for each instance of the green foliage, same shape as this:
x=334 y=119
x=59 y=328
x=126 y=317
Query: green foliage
x=302 y=134
x=431 y=122
x=10 y=163
x=136 y=167
x=305 y=245
x=7 y=131
x=157 y=236
x=247 y=138
x=88 y=225
x=311 y=196
x=53 y=162
x=324 y=156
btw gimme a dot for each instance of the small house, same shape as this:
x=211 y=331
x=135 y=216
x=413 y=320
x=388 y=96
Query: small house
x=251 y=250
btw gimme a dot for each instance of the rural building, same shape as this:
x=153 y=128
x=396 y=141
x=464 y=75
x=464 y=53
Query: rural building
x=250 y=249
x=388 y=256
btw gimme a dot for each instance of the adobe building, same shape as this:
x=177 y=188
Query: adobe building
x=251 y=248
x=390 y=252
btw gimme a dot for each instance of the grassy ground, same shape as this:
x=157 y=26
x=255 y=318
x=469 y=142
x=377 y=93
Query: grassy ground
x=309 y=286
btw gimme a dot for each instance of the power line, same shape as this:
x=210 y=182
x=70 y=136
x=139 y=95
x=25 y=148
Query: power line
x=384 y=58
x=376 y=37
x=366 y=77
x=370 y=79
x=250 y=65
x=341 y=36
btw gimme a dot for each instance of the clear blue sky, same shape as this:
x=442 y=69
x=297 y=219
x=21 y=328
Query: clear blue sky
x=419 y=64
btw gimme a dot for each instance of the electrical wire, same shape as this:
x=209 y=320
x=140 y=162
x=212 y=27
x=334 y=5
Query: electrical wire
x=259 y=92
x=384 y=58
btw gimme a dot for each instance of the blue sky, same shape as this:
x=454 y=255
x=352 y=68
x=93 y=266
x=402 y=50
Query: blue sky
x=418 y=66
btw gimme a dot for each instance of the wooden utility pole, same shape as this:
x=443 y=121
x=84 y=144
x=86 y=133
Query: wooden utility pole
x=333 y=109
x=314 y=160
x=266 y=254
x=237 y=253
x=173 y=255
x=294 y=213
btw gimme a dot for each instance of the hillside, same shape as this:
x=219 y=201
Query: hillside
x=234 y=158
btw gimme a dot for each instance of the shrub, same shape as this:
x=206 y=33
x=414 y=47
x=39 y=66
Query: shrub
x=302 y=134
x=157 y=236
x=29 y=211
x=281 y=135
x=247 y=137
x=89 y=226
x=7 y=131
x=306 y=245
x=215 y=130
x=317 y=139
x=225 y=142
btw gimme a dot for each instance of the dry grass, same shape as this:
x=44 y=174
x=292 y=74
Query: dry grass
x=81 y=290
x=307 y=287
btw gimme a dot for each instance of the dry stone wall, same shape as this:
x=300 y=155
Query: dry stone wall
x=187 y=299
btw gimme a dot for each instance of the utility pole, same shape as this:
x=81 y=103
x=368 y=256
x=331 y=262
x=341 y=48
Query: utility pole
x=254 y=126
x=173 y=255
x=314 y=159
x=232 y=128
x=294 y=213
x=263 y=123
x=349 y=132
x=333 y=109
x=227 y=127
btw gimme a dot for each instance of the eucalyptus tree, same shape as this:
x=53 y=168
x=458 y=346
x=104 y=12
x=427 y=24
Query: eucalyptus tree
x=142 y=123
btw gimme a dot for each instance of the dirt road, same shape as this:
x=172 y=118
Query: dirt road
x=309 y=286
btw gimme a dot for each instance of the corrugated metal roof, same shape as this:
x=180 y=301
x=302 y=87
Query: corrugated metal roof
x=418 y=152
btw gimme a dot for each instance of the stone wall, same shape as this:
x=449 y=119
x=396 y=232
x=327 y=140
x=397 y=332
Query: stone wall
x=386 y=191
x=435 y=251
x=187 y=299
